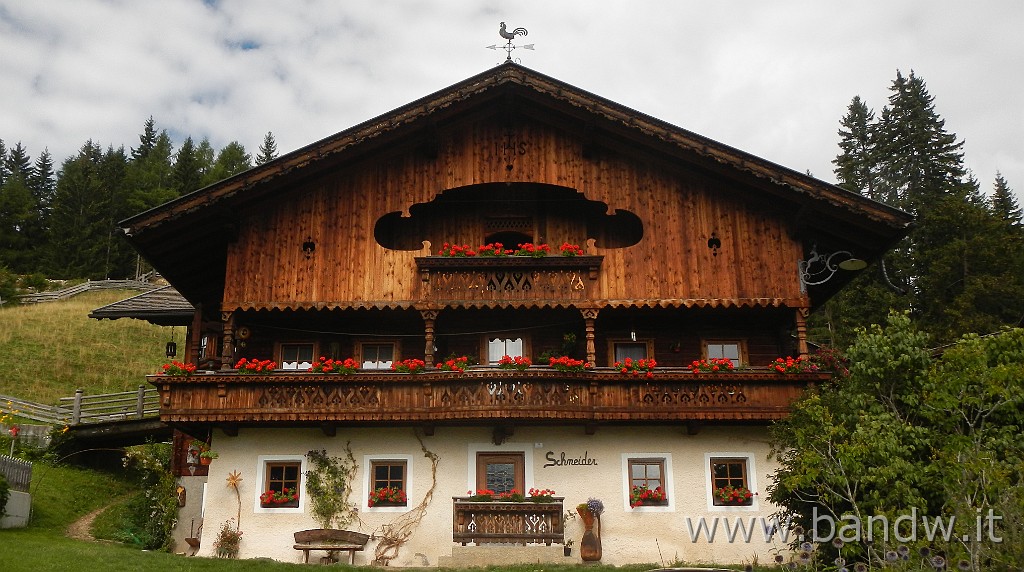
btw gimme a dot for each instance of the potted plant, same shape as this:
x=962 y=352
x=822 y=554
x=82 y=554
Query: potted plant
x=733 y=496
x=346 y=366
x=283 y=498
x=519 y=362
x=386 y=496
x=254 y=366
x=567 y=548
x=713 y=365
x=541 y=495
x=206 y=457
x=411 y=365
x=630 y=366
x=453 y=364
x=177 y=368
x=568 y=364
x=640 y=495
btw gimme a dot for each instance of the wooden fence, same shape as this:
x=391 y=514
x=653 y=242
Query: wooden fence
x=81 y=409
x=70 y=291
x=17 y=472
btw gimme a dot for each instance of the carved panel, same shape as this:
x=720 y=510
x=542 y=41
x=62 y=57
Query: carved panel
x=690 y=395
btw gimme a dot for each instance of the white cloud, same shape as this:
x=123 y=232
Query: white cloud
x=771 y=78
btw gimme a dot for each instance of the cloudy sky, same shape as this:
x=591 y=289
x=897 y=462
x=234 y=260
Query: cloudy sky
x=769 y=77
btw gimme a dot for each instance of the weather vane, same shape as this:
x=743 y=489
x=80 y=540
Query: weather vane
x=509 y=46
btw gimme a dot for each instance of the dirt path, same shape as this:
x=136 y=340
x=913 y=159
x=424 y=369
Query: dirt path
x=81 y=529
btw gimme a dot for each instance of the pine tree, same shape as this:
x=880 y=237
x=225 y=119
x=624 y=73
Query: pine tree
x=918 y=161
x=268 y=151
x=1003 y=204
x=147 y=141
x=78 y=224
x=231 y=160
x=15 y=219
x=855 y=165
x=19 y=163
x=187 y=175
x=3 y=162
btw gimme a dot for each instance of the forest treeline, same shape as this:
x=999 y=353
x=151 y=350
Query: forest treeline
x=960 y=270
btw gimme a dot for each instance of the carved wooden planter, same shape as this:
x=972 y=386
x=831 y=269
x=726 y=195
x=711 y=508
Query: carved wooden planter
x=507 y=522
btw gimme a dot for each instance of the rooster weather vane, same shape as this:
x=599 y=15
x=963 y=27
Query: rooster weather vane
x=509 y=46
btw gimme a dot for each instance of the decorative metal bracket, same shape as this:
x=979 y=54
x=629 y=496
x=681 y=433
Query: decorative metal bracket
x=820 y=268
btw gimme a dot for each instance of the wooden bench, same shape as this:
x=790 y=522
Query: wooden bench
x=331 y=541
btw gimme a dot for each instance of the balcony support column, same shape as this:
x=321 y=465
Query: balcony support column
x=801 y=331
x=227 y=353
x=589 y=317
x=429 y=316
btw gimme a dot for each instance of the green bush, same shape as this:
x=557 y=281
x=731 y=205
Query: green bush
x=8 y=286
x=5 y=494
x=35 y=283
x=150 y=516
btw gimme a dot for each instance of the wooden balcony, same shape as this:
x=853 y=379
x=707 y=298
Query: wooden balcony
x=510 y=279
x=478 y=396
x=507 y=522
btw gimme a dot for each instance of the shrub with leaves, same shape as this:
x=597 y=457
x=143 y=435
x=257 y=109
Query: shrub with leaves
x=5 y=495
x=152 y=514
x=329 y=485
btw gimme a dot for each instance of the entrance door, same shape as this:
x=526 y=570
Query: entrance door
x=501 y=472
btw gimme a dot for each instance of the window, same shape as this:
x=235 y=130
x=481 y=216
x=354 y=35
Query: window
x=501 y=472
x=279 y=476
x=498 y=347
x=649 y=473
x=721 y=349
x=621 y=349
x=377 y=355
x=388 y=474
x=729 y=472
x=296 y=356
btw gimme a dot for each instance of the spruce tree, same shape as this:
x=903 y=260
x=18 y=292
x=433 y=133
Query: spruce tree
x=268 y=150
x=77 y=224
x=1003 y=204
x=855 y=165
x=231 y=160
x=187 y=175
x=147 y=140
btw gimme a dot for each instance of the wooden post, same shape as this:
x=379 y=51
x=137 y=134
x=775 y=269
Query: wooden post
x=428 y=335
x=140 y=403
x=194 y=336
x=76 y=410
x=589 y=316
x=227 y=347
x=801 y=331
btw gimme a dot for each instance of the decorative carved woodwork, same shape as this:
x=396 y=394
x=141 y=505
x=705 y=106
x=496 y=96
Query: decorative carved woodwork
x=484 y=395
x=507 y=522
x=515 y=278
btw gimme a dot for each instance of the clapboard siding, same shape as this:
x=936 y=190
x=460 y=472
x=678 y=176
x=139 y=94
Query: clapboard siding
x=679 y=210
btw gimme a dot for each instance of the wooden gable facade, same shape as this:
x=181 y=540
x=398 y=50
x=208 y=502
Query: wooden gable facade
x=688 y=250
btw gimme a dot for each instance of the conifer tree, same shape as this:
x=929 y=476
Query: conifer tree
x=147 y=141
x=1003 y=204
x=855 y=165
x=268 y=150
x=77 y=225
x=231 y=160
x=187 y=175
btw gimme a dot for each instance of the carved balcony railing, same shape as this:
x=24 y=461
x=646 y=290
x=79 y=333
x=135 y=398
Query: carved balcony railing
x=507 y=522
x=509 y=279
x=483 y=395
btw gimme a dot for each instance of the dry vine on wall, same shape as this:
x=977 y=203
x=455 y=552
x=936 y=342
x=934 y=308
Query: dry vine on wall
x=393 y=536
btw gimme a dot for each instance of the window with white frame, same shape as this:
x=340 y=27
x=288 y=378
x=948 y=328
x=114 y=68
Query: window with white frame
x=388 y=483
x=730 y=484
x=297 y=356
x=280 y=486
x=377 y=355
x=499 y=347
x=731 y=350
x=647 y=482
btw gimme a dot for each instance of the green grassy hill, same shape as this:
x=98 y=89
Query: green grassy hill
x=49 y=350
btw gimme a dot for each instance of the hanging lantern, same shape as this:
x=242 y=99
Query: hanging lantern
x=172 y=348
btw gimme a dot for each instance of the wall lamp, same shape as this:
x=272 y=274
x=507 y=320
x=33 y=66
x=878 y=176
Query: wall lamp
x=820 y=268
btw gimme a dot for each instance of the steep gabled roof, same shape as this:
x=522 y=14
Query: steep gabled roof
x=184 y=237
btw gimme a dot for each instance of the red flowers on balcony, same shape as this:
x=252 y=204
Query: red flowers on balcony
x=284 y=496
x=631 y=366
x=409 y=366
x=519 y=362
x=453 y=364
x=570 y=249
x=713 y=365
x=792 y=365
x=254 y=366
x=179 y=368
x=567 y=364
x=347 y=366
